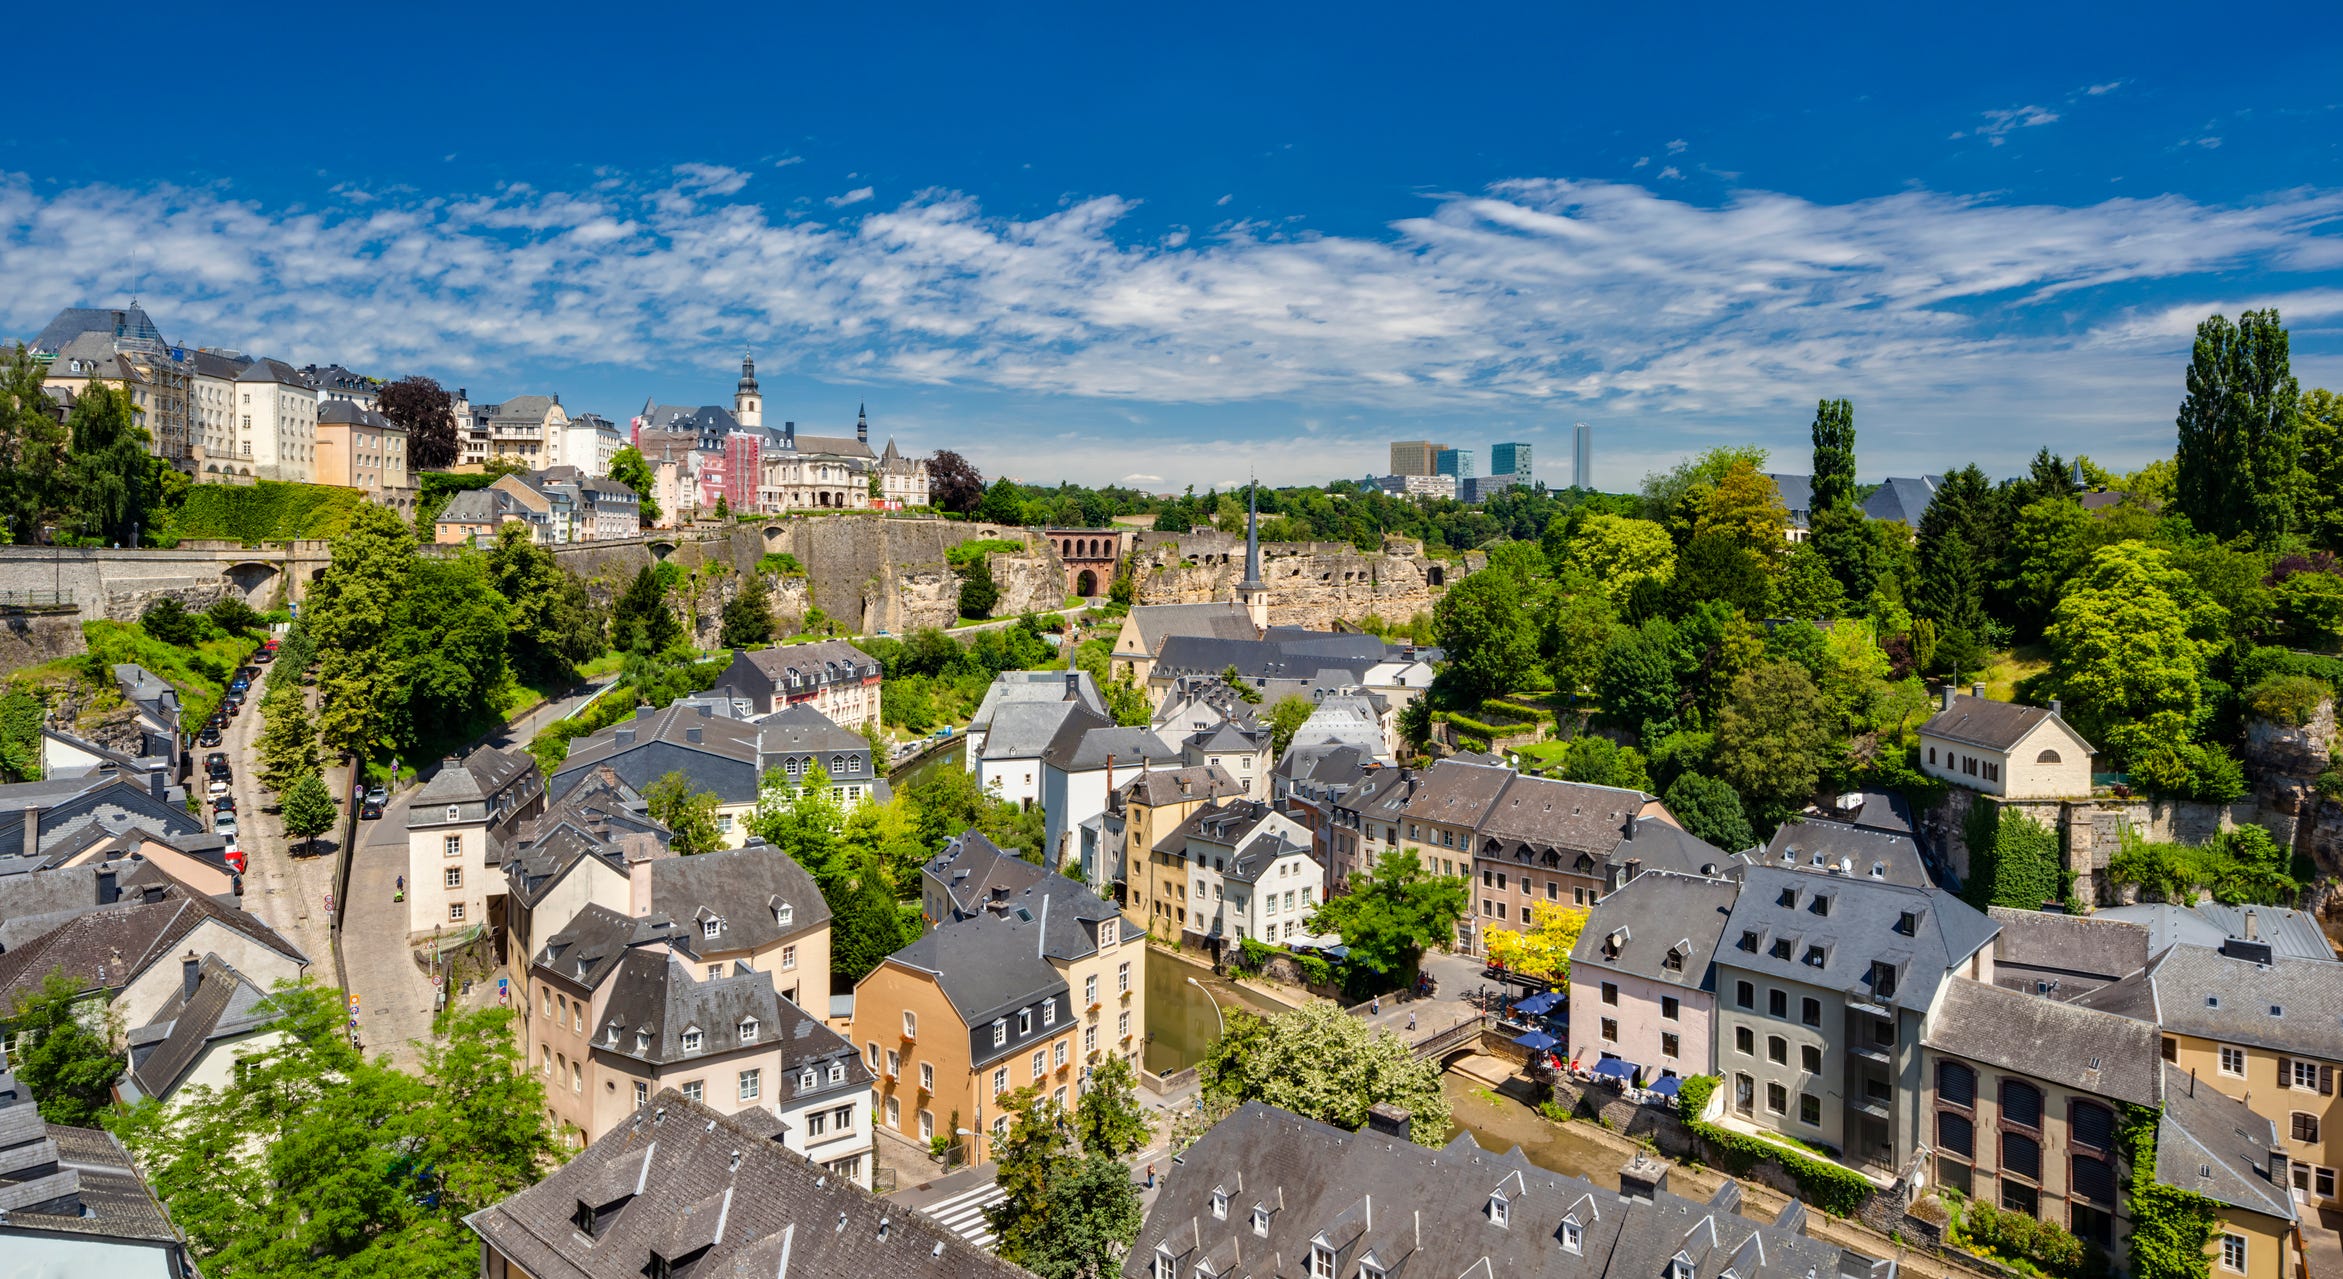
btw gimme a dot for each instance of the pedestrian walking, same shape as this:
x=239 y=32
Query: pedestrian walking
x=1411 y=1019
x=1375 y=1006
x=401 y=894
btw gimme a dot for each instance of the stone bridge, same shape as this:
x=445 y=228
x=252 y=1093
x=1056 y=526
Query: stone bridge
x=117 y=583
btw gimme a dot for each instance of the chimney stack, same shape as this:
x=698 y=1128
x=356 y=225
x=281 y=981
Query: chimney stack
x=2057 y=707
x=190 y=973
x=1977 y=690
x=1950 y=692
x=1643 y=1177
x=32 y=830
x=1390 y=1120
x=1073 y=685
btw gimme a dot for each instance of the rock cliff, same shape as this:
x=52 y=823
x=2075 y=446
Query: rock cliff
x=1313 y=584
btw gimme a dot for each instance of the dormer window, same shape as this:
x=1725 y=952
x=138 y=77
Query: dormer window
x=1260 y=1221
x=1049 y=1013
x=583 y=1219
x=1788 y=900
x=1024 y=1021
x=1000 y=1031
x=710 y=927
x=1908 y=923
x=805 y=1081
x=452 y=812
x=1821 y=903
x=1498 y=1213
x=837 y=1072
x=1815 y=956
x=691 y=1040
x=1679 y=1268
x=1219 y=1204
x=1573 y=1239
x=1368 y=1269
x=1321 y=1261
x=784 y=914
x=1165 y=1266
x=1674 y=962
x=748 y=1030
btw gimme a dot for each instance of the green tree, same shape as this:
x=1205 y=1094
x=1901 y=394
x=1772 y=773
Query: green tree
x=978 y=592
x=1637 y=682
x=21 y=718
x=1238 y=684
x=1709 y=810
x=2045 y=549
x=1834 y=523
x=106 y=465
x=233 y=616
x=1392 y=914
x=806 y=822
x=168 y=621
x=552 y=625
x=1290 y=713
x=2240 y=430
x=1615 y=552
x=2321 y=486
x=1108 y=1118
x=2128 y=646
x=1954 y=548
x=446 y=644
x=642 y=621
x=867 y=924
x=1579 y=625
x=1490 y=642
x=1415 y=723
x=288 y=740
x=1807 y=587
x=628 y=467
x=1124 y=701
x=1774 y=738
x=1067 y=1214
x=32 y=450
x=308 y=808
x=1323 y=1063
x=348 y=616
x=1003 y=504
x=321 y=1163
x=67 y=1064
x=1676 y=497
x=690 y=815
x=748 y=615
x=1599 y=761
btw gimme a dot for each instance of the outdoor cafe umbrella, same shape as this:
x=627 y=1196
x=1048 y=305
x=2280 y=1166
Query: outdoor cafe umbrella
x=1538 y=1005
x=1537 y=1041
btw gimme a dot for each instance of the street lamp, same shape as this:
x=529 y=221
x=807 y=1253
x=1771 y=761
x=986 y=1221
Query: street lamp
x=1215 y=1005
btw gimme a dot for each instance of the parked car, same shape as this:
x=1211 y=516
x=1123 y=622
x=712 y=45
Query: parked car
x=371 y=809
x=216 y=787
x=216 y=757
x=378 y=797
x=224 y=824
x=224 y=804
x=239 y=684
x=265 y=655
x=208 y=737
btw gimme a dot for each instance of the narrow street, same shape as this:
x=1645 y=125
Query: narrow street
x=287 y=892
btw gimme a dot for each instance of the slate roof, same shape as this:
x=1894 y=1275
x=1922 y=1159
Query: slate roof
x=974 y=870
x=1069 y=925
x=1859 y=928
x=1259 y=659
x=600 y=816
x=475 y=506
x=472 y=778
x=1157 y=623
x=1824 y=847
x=523 y=408
x=588 y=949
x=74 y=321
x=706 y=419
x=107 y=948
x=217 y=364
x=1083 y=746
x=655 y=1001
x=1659 y=844
x=827 y=445
x=1903 y=498
x=1162 y=786
x=1424 y=1212
x=2289 y=1005
x=1457 y=794
x=682 y=1181
x=2047 y=1039
x=109 y=1198
x=1651 y=915
x=744 y=890
x=2208 y=924
x=2092 y=947
x=2215 y=1145
x=352 y=413
x=1261 y=849
x=1024 y=730
x=265 y=369
x=818 y=663
x=1016 y=688
x=225 y=1005
x=675 y=725
x=1546 y=813
x=800 y=729
x=986 y=964
x=1984 y=722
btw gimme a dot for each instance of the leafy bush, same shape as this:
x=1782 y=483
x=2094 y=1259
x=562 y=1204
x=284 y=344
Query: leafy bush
x=169 y=622
x=2189 y=770
x=2047 y=1246
x=2288 y=699
x=964 y=555
x=779 y=564
x=2241 y=866
x=1836 y=1190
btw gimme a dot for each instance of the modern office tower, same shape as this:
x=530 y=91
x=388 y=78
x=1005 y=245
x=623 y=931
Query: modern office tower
x=1414 y=457
x=1456 y=462
x=1582 y=458
x=1509 y=459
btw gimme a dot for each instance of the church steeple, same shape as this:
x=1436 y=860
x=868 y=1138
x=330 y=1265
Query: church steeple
x=861 y=424
x=1252 y=592
x=748 y=407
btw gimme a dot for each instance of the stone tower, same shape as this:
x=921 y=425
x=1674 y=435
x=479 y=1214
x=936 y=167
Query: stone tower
x=1252 y=592
x=748 y=407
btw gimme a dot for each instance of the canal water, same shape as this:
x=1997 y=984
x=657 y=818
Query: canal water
x=948 y=757
x=1181 y=1023
x=1500 y=1123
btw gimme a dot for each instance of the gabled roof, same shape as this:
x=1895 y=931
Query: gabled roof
x=2287 y=1005
x=1010 y=688
x=473 y=778
x=1024 y=730
x=678 y=1179
x=675 y=725
x=106 y=949
x=974 y=870
x=2088 y=946
x=1904 y=498
x=225 y=1005
x=523 y=408
x=587 y=950
x=352 y=413
x=1827 y=847
x=1544 y=812
x=1159 y=622
x=821 y=662
x=2290 y=933
x=1848 y=924
x=1161 y=786
x=802 y=729
x=745 y=891
x=2215 y=1145
x=1655 y=843
x=1651 y=916
x=845 y=446
x=986 y=964
x=2074 y=1047
x=74 y=321
x=1083 y=745
x=1984 y=722
x=1459 y=794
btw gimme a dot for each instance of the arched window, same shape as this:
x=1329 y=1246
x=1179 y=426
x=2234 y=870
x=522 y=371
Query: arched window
x=1956 y=1084
x=2047 y=757
x=2021 y=1103
x=1955 y=1135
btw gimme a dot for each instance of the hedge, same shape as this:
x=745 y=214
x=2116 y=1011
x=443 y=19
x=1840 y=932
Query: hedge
x=1481 y=728
x=1836 y=1190
x=265 y=511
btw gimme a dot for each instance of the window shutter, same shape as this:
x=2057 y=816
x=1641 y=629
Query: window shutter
x=2285 y=1072
x=2326 y=1080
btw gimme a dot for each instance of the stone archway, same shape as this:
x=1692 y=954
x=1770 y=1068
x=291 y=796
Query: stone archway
x=1086 y=584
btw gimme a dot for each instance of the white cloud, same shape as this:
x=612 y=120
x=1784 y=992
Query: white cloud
x=1959 y=322
x=709 y=179
x=856 y=196
x=2000 y=124
x=1671 y=172
x=1677 y=147
x=787 y=160
x=1226 y=198
x=2100 y=90
x=1640 y=161
x=1136 y=478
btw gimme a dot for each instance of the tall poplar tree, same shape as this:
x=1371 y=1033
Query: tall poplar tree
x=1834 y=524
x=349 y=613
x=2240 y=431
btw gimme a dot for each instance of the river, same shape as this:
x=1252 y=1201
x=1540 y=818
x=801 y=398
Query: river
x=1181 y=1020
x=1500 y=1123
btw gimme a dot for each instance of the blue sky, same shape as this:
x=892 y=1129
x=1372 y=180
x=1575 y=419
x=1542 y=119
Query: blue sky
x=1108 y=243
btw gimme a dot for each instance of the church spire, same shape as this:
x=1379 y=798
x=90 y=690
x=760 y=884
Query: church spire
x=862 y=423
x=748 y=405
x=1252 y=593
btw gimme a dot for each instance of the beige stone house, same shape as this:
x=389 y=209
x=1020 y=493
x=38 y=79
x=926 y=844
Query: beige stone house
x=2004 y=749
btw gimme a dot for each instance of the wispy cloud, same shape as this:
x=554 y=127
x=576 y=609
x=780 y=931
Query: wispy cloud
x=1532 y=297
x=1677 y=147
x=2101 y=90
x=1999 y=124
x=856 y=196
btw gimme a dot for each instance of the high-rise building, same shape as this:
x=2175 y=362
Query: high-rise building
x=1456 y=462
x=1582 y=458
x=1509 y=459
x=1415 y=457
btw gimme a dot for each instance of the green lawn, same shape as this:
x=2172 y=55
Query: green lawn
x=2007 y=668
